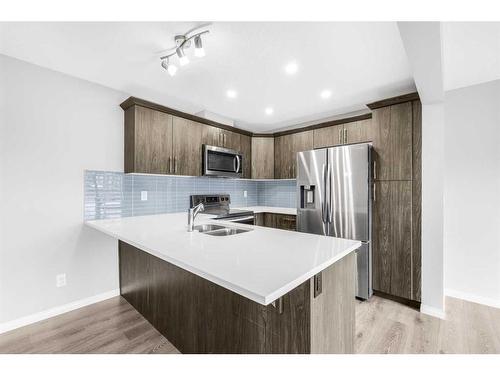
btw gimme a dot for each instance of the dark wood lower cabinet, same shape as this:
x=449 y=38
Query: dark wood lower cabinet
x=278 y=221
x=198 y=316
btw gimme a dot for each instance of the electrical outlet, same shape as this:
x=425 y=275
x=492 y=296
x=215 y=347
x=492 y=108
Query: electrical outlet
x=61 y=280
x=144 y=195
x=245 y=193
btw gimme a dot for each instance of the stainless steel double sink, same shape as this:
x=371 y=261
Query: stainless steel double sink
x=219 y=230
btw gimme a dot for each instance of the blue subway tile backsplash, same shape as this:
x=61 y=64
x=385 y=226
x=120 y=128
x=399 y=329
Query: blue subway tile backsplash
x=114 y=194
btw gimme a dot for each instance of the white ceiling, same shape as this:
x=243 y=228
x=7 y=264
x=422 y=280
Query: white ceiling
x=358 y=62
x=471 y=53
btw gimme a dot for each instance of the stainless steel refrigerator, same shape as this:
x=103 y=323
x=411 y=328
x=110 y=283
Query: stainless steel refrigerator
x=334 y=199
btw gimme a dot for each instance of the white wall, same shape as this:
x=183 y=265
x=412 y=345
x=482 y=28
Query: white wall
x=432 y=209
x=422 y=42
x=53 y=127
x=472 y=193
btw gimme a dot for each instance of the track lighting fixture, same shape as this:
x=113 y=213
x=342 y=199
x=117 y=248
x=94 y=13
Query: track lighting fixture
x=183 y=43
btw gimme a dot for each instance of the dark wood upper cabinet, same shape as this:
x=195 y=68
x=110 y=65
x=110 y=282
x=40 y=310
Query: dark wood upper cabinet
x=148 y=141
x=186 y=147
x=214 y=136
x=392 y=142
x=263 y=157
x=358 y=131
x=348 y=133
x=328 y=137
x=278 y=153
x=231 y=140
x=211 y=136
x=286 y=148
x=246 y=150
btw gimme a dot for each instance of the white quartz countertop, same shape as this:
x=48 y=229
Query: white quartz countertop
x=262 y=265
x=273 y=210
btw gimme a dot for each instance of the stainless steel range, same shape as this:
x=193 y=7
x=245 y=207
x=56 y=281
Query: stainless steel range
x=218 y=204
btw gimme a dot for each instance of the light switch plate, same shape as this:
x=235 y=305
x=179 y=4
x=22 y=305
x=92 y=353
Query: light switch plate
x=61 y=280
x=144 y=195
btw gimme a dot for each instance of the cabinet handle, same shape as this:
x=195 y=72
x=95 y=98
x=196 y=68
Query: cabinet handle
x=175 y=164
x=278 y=305
x=340 y=135
x=224 y=138
x=318 y=285
x=169 y=167
x=345 y=135
x=374 y=169
x=374 y=192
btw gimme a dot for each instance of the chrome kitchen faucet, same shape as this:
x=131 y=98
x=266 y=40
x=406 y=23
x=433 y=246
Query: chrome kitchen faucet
x=192 y=212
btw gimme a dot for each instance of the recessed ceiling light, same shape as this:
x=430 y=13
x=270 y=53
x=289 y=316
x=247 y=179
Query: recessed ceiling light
x=269 y=111
x=291 y=68
x=231 y=94
x=325 y=94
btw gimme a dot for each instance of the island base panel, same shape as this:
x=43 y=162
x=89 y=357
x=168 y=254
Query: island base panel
x=198 y=316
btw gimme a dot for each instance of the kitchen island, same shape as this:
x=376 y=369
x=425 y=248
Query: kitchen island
x=261 y=291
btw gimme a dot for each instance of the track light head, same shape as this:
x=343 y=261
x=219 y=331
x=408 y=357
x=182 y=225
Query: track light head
x=164 y=64
x=170 y=68
x=198 y=47
x=183 y=59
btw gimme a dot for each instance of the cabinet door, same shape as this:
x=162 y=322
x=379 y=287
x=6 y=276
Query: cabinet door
x=270 y=220
x=259 y=219
x=392 y=238
x=286 y=222
x=358 y=131
x=187 y=147
x=262 y=157
x=327 y=137
x=148 y=141
x=282 y=156
x=302 y=141
x=392 y=142
x=231 y=140
x=278 y=145
x=246 y=150
x=212 y=136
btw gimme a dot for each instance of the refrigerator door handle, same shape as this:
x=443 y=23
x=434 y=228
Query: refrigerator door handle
x=324 y=206
x=330 y=195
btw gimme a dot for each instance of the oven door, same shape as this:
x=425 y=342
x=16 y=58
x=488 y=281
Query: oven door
x=218 y=161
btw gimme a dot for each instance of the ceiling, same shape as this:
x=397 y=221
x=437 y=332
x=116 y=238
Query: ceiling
x=359 y=63
x=471 y=53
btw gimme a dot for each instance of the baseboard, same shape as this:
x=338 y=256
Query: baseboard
x=408 y=302
x=472 y=298
x=432 y=311
x=42 y=315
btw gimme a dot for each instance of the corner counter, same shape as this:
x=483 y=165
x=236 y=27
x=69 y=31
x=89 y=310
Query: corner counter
x=263 y=291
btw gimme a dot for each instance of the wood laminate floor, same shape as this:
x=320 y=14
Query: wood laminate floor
x=382 y=326
x=111 y=326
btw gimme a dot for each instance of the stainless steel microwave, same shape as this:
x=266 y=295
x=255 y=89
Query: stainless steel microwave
x=223 y=162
